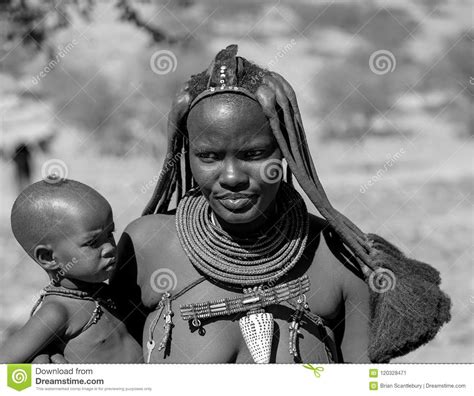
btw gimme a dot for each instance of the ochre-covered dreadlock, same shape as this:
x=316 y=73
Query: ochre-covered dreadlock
x=402 y=318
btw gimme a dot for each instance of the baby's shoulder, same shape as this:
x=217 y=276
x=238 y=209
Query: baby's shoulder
x=52 y=310
x=73 y=313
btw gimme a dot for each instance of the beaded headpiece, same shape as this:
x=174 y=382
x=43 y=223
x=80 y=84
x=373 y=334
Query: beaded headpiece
x=223 y=76
x=416 y=291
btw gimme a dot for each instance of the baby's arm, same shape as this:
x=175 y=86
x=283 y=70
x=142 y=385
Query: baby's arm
x=48 y=322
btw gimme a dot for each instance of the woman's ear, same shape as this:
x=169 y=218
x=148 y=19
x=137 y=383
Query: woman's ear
x=43 y=255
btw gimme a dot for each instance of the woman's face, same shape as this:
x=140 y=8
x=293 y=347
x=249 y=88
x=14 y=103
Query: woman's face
x=234 y=157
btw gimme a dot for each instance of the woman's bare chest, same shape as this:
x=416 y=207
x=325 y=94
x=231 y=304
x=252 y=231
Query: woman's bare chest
x=220 y=340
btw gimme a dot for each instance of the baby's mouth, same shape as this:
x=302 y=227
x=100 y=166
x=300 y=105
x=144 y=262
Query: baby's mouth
x=110 y=265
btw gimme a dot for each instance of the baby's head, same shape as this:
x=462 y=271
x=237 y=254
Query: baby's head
x=66 y=227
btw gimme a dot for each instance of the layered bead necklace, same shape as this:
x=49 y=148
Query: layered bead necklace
x=255 y=260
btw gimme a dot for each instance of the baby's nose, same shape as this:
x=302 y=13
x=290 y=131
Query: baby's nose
x=108 y=251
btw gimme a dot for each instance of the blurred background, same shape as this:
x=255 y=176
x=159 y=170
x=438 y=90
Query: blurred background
x=385 y=90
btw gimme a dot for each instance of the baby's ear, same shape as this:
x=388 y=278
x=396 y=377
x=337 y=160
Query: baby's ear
x=43 y=255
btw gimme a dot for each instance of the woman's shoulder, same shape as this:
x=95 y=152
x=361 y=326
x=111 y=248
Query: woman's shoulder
x=332 y=257
x=334 y=271
x=149 y=226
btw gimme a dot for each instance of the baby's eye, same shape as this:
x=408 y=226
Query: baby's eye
x=92 y=242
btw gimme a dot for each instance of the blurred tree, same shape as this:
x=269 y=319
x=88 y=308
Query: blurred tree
x=128 y=13
x=33 y=22
x=460 y=57
x=352 y=97
x=87 y=92
x=453 y=75
x=384 y=27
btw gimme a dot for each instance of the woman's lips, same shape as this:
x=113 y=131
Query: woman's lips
x=237 y=204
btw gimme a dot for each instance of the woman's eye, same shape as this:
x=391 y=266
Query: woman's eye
x=207 y=155
x=254 y=153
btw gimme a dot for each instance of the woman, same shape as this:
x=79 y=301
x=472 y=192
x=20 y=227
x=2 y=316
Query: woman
x=256 y=278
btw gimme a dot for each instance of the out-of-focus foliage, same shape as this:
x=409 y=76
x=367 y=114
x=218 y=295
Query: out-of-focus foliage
x=105 y=88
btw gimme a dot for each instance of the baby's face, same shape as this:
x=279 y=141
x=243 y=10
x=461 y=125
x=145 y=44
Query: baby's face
x=86 y=250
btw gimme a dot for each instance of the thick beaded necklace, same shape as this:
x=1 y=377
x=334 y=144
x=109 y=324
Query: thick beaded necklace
x=257 y=259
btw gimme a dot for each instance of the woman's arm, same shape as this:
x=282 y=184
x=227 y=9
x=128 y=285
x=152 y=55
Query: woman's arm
x=355 y=338
x=351 y=326
x=49 y=322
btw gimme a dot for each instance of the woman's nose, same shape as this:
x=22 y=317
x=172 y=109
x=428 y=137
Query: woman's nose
x=232 y=176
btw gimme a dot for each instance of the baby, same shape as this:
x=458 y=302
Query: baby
x=67 y=228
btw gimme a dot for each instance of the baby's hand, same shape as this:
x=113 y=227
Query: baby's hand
x=45 y=358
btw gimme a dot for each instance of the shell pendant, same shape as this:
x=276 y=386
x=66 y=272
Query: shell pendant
x=257 y=330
